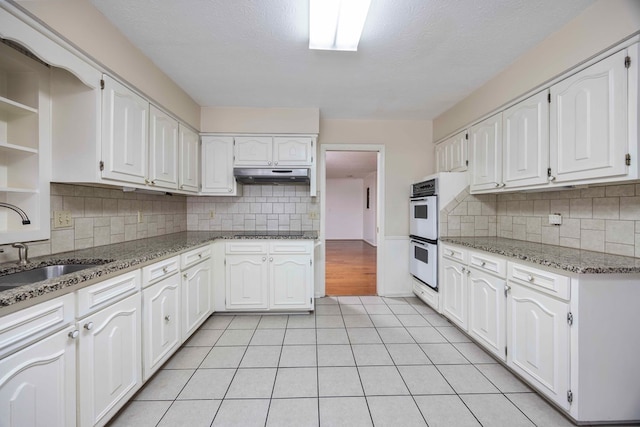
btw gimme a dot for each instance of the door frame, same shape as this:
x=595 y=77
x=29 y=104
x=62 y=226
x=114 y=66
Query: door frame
x=380 y=180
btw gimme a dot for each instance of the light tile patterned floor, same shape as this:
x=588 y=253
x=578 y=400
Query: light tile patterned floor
x=358 y=361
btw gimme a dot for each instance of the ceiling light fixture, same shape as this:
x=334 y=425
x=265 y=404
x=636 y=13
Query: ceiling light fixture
x=336 y=24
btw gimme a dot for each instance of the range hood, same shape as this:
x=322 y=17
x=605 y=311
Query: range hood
x=272 y=176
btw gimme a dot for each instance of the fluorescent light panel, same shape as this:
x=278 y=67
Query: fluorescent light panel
x=336 y=24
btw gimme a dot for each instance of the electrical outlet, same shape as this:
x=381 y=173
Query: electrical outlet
x=62 y=219
x=139 y=217
x=313 y=215
x=212 y=214
x=555 y=219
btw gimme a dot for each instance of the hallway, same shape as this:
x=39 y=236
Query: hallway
x=350 y=268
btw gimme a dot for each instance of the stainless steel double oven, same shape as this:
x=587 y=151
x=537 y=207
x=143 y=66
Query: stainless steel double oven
x=423 y=232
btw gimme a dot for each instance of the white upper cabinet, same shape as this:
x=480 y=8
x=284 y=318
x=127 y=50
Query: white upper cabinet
x=485 y=154
x=163 y=150
x=217 y=166
x=292 y=151
x=526 y=142
x=589 y=134
x=253 y=151
x=125 y=120
x=451 y=155
x=189 y=179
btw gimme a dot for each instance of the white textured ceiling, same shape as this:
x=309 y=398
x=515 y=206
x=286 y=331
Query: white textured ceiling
x=416 y=58
x=350 y=164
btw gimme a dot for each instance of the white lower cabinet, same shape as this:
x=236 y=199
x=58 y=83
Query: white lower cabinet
x=109 y=360
x=269 y=275
x=538 y=341
x=572 y=337
x=487 y=311
x=161 y=323
x=196 y=297
x=38 y=384
x=454 y=292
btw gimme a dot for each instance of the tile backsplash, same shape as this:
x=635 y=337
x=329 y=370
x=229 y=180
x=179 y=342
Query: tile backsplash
x=101 y=216
x=261 y=207
x=600 y=218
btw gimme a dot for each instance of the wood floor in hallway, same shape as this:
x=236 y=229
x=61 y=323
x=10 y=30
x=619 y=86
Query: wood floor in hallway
x=350 y=268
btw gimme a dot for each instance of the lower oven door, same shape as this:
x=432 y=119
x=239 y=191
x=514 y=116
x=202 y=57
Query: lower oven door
x=423 y=262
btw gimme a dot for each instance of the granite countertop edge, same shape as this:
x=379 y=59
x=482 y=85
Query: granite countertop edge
x=567 y=259
x=120 y=257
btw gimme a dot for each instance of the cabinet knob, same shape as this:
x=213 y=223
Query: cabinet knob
x=271 y=259
x=269 y=163
x=185 y=275
x=182 y=187
x=153 y=182
x=497 y=184
x=463 y=269
x=199 y=255
x=450 y=253
x=264 y=258
x=552 y=178
x=165 y=269
x=507 y=288
x=529 y=278
x=229 y=190
x=482 y=264
x=88 y=326
x=276 y=163
x=167 y=318
x=74 y=334
x=146 y=181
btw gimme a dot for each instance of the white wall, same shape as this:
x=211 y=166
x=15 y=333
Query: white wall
x=344 y=209
x=369 y=217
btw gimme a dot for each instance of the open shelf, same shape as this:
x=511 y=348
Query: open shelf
x=9 y=106
x=18 y=190
x=6 y=147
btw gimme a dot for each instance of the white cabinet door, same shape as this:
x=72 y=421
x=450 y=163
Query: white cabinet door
x=538 y=341
x=253 y=151
x=292 y=151
x=290 y=280
x=526 y=142
x=38 y=384
x=485 y=154
x=125 y=120
x=188 y=170
x=217 y=166
x=441 y=157
x=457 y=153
x=454 y=292
x=589 y=136
x=247 y=282
x=196 y=297
x=487 y=311
x=109 y=360
x=163 y=150
x=161 y=323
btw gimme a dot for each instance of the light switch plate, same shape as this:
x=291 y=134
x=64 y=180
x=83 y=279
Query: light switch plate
x=62 y=219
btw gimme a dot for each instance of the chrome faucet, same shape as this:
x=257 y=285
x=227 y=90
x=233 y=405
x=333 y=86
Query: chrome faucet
x=23 y=215
x=23 y=253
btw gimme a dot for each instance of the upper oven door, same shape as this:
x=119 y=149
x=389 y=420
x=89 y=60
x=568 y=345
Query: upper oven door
x=423 y=221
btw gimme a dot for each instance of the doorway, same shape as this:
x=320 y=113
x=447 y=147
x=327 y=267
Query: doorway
x=350 y=219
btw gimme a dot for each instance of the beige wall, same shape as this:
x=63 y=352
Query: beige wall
x=260 y=120
x=599 y=27
x=409 y=156
x=84 y=26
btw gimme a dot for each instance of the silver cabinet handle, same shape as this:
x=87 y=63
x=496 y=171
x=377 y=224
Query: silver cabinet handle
x=264 y=258
x=450 y=253
x=199 y=255
x=463 y=269
x=165 y=269
x=530 y=278
x=271 y=259
x=185 y=275
x=482 y=264
x=497 y=184
x=229 y=190
x=507 y=288
x=88 y=326
x=269 y=163
x=276 y=163
x=552 y=178
x=167 y=318
x=74 y=334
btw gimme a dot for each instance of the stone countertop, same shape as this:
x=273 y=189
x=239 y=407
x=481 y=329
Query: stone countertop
x=567 y=259
x=120 y=257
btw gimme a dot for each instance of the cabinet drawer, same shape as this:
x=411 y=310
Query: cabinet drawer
x=488 y=263
x=541 y=280
x=195 y=256
x=247 y=247
x=454 y=253
x=426 y=294
x=289 y=247
x=102 y=294
x=27 y=325
x=158 y=271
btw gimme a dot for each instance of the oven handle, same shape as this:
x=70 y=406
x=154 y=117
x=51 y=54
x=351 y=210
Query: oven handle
x=419 y=243
x=419 y=200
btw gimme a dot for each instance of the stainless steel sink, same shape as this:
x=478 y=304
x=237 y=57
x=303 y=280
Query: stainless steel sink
x=38 y=274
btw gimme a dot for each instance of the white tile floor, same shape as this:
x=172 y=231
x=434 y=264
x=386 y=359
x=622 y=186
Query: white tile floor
x=358 y=361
